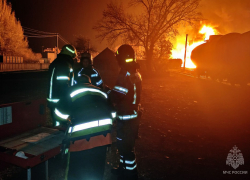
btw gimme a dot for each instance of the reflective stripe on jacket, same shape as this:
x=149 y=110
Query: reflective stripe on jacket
x=94 y=75
x=60 y=77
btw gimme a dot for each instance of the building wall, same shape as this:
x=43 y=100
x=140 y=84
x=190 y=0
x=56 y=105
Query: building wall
x=51 y=57
x=106 y=62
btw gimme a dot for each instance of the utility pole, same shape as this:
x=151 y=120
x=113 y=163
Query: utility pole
x=185 y=53
x=56 y=43
x=88 y=45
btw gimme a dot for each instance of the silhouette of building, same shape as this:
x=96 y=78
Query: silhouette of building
x=106 y=62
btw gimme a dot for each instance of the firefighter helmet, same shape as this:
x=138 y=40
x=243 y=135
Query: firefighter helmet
x=69 y=50
x=87 y=56
x=125 y=55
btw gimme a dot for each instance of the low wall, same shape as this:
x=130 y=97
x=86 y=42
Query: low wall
x=23 y=66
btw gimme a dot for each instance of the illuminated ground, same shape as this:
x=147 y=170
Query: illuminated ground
x=187 y=129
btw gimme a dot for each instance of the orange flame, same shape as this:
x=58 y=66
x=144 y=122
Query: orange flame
x=179 y=50
x=208 y=31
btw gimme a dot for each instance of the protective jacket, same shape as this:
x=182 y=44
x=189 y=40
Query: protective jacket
x=90 y=114
x=61 y=77
x=126 y=94
x=94 y=75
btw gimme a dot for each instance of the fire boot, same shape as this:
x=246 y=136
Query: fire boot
x=129 y=167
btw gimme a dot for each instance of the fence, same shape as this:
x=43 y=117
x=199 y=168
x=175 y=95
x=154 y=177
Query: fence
x=11 y=59
x=23 y=66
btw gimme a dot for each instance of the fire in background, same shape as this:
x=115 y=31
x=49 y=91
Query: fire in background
x=179 y=48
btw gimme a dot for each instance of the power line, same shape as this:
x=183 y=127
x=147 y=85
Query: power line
x=33 y=33
x=63 y=39
x=41 y=36
x=37 y=31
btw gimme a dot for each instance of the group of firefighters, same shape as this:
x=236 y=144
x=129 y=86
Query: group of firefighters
x=85 y=108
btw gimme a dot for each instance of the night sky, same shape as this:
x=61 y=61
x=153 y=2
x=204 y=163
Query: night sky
x=67 y=17
x=71 y=18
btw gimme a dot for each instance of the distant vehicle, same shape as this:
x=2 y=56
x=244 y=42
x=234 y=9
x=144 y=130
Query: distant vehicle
x=224 y=57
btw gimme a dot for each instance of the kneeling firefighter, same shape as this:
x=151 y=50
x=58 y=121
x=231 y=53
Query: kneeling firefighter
x=89 y=118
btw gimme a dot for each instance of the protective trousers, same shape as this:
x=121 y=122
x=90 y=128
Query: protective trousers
x=126 y=134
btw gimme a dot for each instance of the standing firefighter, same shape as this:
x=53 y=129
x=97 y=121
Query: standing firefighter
x=90 y=116
x=126 y=98
x=61 y=75
x=88 y=69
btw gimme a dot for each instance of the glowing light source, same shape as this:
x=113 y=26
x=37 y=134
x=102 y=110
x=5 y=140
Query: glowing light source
x=207 y=31
x=129 y=60
x=179 y=50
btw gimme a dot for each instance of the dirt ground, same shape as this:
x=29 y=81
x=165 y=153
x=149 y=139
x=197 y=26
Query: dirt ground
x=187 y=129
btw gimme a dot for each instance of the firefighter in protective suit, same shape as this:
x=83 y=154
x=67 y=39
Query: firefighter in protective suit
x=88 y=69
x=87 y=109
x=60 y=75
x=126 y=98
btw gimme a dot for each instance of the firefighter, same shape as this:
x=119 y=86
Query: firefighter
x=126 y=98
x=87 y=109
x=60 y=75
x=88 y=69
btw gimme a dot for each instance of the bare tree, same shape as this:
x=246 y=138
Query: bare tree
x=82 y=44
x=12 y=40
x=157 y=19
x=162 y=49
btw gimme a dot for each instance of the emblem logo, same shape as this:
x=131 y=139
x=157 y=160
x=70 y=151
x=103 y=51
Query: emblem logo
x=235 y=158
